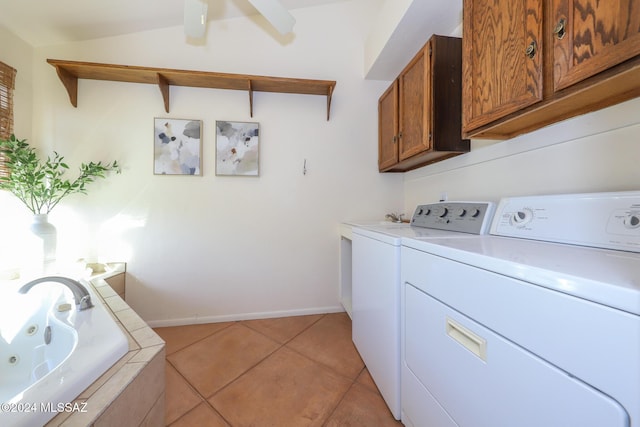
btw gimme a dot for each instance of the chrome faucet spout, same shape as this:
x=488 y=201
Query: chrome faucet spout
x=394 y=217
x=80 y=293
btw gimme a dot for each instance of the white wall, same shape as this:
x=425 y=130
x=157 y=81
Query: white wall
x=19 y=55
x=401 y=28
x=591 y=153
x=216 y=248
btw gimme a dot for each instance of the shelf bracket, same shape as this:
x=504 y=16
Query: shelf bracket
x=250 y=87
x=163 y=83
x=329 y=94
x=70 y=83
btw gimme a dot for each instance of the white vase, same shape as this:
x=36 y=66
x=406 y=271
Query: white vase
x=44 y=250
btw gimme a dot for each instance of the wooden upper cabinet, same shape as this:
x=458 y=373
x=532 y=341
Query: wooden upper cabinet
x=419 y=116
x=502 y=65
x=531 y=63
x=590 y=36
x=414 y=96
x=388 y=127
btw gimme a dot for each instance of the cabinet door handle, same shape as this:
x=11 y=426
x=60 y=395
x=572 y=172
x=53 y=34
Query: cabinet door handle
x=560 y=28
x=395 y=139
x=531 y=50
x=400 y=135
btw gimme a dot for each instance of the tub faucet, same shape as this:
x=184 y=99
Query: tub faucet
x=80 y=293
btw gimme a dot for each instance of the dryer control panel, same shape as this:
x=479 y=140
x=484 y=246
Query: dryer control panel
x=466 y=217
x=601 y=220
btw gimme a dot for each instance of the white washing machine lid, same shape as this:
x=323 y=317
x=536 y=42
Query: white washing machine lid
x=394 y=233
x=387 y=233
x=607 y=277
x=374 y=223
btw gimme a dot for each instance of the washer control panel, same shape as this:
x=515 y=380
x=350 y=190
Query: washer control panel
x=466 y=217
x=602 y=220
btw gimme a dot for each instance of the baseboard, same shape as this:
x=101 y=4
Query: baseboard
x=242 y=316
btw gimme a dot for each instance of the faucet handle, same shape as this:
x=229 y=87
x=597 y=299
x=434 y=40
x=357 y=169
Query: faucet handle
x=394 y=217
x=85 y=303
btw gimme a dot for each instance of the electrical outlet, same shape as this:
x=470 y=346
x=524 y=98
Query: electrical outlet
x=443 y=196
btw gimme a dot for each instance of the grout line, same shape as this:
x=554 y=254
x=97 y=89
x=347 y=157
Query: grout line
x=243 y=373
x=335 y=408
x=322 y=365
x=206 y=399
x=217 y=412
x=325 y=367
x=353 y=383
x=197 y=341
x=202 y=398
x=290 y=339
x=280 y=347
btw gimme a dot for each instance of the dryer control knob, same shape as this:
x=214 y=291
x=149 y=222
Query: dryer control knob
x=474 y=212
x=442 y=213
x=521 y=217
x=460 y=212
x=632 y=221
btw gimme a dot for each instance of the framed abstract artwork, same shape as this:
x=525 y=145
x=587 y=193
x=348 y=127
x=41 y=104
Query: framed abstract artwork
x=177 y=147
x=237 y=148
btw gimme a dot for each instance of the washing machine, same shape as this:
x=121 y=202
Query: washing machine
x=535 y=324
x=375 y=289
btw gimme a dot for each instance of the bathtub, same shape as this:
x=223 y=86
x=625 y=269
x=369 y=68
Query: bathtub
x=39 y=379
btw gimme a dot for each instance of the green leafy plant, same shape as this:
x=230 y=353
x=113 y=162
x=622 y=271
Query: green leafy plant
x=41 y=185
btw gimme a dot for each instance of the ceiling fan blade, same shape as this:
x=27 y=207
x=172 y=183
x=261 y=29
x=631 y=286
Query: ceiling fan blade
x=195 y=18
x=276 y=14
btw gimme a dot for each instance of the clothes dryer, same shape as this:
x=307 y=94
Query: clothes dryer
x=537 y=324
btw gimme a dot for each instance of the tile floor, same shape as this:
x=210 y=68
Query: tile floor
x=293 y=371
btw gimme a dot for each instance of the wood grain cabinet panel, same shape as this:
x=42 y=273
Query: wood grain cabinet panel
x=419 y=115
x=414 y=96
x=500 y=77
x=388 y=127
x=528 y=63
x=591 y=36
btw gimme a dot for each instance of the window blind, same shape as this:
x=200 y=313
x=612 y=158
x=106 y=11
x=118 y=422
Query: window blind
x=7 y=85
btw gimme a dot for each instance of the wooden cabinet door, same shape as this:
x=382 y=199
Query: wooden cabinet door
x=414 y=96
x=591 y=36
x=498 y=77
x=388 y=127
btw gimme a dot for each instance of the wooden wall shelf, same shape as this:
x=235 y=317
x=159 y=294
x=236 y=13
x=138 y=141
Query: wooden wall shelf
x=70 y=71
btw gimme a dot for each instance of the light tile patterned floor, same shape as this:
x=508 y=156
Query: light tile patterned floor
x=293 y=371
